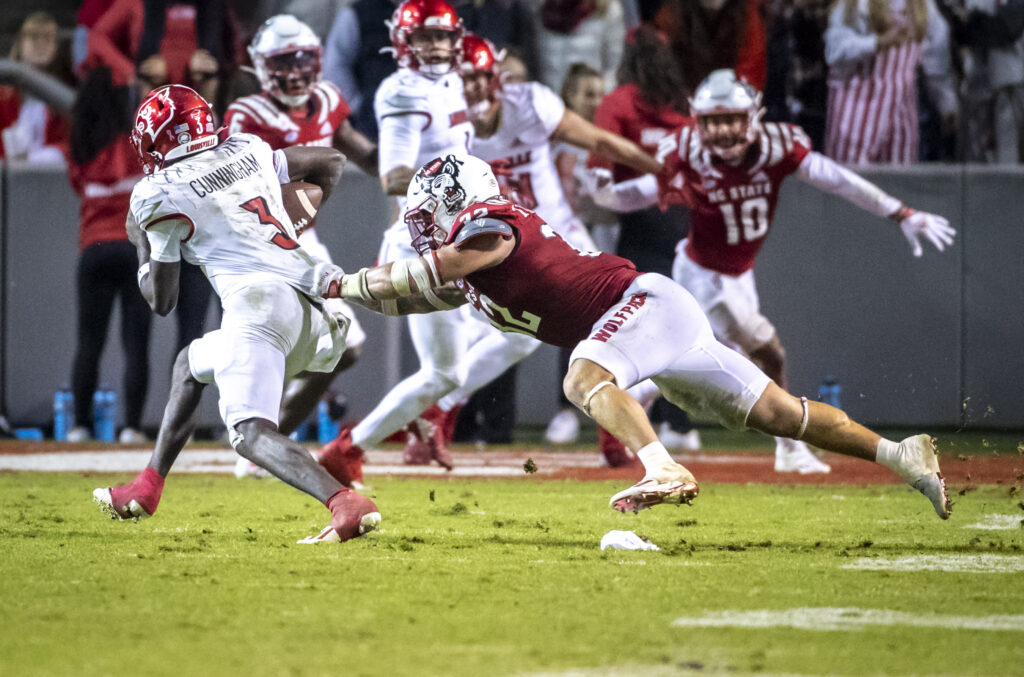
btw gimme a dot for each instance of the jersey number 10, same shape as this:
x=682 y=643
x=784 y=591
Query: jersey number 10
x=753 y=218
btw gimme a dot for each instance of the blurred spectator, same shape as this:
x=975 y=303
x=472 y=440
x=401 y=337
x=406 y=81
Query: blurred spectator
x=649 y=103
x=988 y=32
x=709 y=34
x=582 y=92
x=591 y=31
x=796 y=86
x=31 y=130
x=873 y=49
x=353 y=59
x=513 y=68
x=317 y=14
x=103 y=169
x=116 y=41
x=88 y=14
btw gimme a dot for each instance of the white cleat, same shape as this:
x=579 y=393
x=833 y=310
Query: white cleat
x=369 y=522
x=132 y=511
x=918 y=465
x=672 y=484
x=795 y=456
x=564 y=428
x=246 y=468
x=678 y=442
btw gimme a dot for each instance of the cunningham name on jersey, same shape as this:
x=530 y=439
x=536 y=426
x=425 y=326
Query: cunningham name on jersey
x=222 y=210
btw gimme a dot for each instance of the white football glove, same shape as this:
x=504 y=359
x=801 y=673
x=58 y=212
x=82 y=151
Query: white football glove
x=934 y=228
x=324 y=274
x=597 y=183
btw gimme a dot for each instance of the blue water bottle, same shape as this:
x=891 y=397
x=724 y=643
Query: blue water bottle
x=326 y=429
x=829 y=392
x=63 y=414
x=103 y=412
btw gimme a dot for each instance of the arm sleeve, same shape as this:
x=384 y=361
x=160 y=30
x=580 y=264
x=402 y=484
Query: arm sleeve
x=548 y=109
x=339 y=55
x=827 y=175
x=846 y=43
x=937 y=64
x=399 y=141
x=165 y=237
x=281 y=165
x=632 y=195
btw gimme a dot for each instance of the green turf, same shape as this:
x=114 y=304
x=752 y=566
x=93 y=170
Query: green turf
x=478 y=577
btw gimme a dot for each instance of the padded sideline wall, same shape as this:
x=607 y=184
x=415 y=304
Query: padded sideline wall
x=910 y=340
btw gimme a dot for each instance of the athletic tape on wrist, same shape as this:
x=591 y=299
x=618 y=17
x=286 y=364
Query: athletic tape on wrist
x=143 y=272
x=803 y=419
x=356 y=286
x=435 y=300
x=590 y=395
x=406 y=271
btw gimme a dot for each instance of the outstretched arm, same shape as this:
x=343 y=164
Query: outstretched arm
x=628 y=196
x=575 y=130
x=417 y=303
x=832 y=177
x=357 y=147
x=424 y=275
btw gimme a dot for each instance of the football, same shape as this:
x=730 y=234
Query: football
x=301 y=201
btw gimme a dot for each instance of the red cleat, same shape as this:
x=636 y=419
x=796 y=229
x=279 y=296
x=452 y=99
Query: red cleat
x=343 y=459
x=136 y=500
x=615 y=452
x=426 y=442
x=352 y=516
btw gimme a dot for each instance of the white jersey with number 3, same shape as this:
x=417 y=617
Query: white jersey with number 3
x=230 y=219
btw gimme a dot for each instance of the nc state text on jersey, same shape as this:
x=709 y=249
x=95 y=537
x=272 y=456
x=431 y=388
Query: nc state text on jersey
x=739 y=192
x=225 y=175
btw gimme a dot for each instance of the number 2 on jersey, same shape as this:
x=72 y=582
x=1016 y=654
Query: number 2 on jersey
x=753 y=217
x=258 y=206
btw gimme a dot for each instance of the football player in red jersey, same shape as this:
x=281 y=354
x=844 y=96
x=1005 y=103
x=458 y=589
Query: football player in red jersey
x=297 y=108
x=728 y=166
x=625 y=326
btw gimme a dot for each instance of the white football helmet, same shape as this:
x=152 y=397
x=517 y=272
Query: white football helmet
x=286 y=56
x=724 y=94
x=441 y=189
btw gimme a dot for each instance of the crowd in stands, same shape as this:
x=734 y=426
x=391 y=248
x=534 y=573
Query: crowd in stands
x=870 y=81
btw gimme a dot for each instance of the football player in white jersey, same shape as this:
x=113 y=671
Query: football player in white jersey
x=296 y=107
x=421 y=114
x=514 y=126
x=215 y=200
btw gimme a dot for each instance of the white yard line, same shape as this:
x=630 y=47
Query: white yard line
x=848 y=618
x=973 y=564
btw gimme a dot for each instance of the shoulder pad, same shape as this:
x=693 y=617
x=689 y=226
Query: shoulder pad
x=482 y=226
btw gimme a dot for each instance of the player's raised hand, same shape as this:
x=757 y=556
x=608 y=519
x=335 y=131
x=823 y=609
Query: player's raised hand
x=932 y=227
x=597 y=183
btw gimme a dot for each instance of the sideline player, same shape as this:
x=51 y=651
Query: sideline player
x=421 y=113
x=626 y=326
x=728 y=166
x=515 y=125
x=297 y=108
x=215 y=200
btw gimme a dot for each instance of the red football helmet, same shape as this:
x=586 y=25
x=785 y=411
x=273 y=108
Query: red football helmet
x=480 y=57
x=172 y=122
x=416 y=15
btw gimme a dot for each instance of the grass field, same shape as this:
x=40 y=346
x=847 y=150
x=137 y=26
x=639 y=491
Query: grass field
x=505 y=577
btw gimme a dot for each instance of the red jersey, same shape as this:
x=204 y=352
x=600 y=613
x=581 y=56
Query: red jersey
x=731 y=207
x=545 y=288
x=105 y=186
x=259 y=114
x=623 y=112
